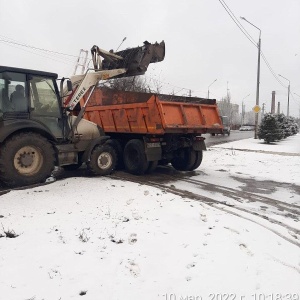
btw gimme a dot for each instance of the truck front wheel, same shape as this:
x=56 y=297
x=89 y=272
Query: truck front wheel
x=135 y=159
x=26 y=158
x=102 y=161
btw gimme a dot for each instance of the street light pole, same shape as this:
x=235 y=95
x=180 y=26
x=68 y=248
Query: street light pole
x=288 y=104
x=209 y=87
x=258 y=75
x=243 y=110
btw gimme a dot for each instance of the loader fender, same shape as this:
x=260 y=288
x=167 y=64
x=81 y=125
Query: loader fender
x=15 y=125
x=99 y=141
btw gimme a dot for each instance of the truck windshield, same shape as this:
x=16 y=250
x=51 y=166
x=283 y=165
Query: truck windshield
x=225 y=120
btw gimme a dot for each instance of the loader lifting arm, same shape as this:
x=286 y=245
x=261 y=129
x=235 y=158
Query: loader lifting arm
x=107 y=65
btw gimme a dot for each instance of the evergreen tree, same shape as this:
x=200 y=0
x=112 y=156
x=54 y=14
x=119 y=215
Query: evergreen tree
x=270 y=129
x=284 y=125
x=293 y=125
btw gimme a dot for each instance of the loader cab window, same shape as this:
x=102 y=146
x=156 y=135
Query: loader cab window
x=43 y=97
x=13 y=92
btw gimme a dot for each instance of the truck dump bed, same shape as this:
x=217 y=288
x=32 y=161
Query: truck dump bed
x=147 y=113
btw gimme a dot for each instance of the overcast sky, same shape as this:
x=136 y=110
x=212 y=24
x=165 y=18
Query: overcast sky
x=202 y=42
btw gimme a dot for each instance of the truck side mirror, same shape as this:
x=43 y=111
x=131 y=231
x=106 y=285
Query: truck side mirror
x=69 y=86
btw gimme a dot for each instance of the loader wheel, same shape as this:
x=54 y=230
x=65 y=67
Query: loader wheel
x=184 y=159
x=102 y=161
x=135 y=159
x=26 y=158
x=199 y=156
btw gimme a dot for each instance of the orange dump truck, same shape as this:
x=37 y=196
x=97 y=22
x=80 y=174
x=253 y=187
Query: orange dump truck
x=148 y=129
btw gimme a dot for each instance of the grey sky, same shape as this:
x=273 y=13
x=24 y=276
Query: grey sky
x=202 y=41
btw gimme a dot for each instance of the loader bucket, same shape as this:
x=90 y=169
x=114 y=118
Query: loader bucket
x=136 y=60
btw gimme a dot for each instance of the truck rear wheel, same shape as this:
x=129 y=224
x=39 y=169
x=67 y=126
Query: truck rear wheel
x=102 y=161
x=199 y=156
x=184 y=159
x=135 y=159
x=26 y=158
x=152 y=166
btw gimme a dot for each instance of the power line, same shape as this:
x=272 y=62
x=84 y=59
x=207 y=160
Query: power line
x=235 y=20
x=10 y=41
x=249 y=37
x=42 y=55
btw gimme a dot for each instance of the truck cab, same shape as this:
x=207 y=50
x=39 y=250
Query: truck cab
x=226 y=125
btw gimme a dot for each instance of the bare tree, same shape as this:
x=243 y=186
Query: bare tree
x=134 y=84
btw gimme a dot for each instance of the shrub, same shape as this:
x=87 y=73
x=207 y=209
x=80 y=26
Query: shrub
x=270 y=129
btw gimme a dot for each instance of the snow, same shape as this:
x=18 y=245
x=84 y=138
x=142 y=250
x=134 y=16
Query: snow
x=232 y=233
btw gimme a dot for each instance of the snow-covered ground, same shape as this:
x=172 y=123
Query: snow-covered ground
x=103 y=238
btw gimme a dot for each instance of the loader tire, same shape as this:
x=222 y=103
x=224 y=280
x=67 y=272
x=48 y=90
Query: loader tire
x=184 y=159
x=102 y=161
x=135 y=159
x=26 y=158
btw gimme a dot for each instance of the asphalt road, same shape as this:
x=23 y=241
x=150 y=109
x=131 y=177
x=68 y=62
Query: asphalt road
x=235 y=135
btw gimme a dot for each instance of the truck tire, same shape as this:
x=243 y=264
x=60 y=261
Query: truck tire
x=119 y=151
x=184 y=159
x=135 y=159
x=152 y=166
x=199 y=156
x=102 y=161
x=26 y=158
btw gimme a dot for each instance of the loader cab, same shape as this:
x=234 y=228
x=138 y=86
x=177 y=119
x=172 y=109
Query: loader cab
x=31 y=95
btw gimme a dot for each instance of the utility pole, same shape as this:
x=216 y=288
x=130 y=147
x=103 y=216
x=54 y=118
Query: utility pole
x=243 y=114
x=258 y=76
x=243 y=109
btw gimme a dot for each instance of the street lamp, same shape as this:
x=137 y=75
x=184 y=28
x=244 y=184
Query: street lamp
x=288 y=104
x=258 y=75
x=209 y=87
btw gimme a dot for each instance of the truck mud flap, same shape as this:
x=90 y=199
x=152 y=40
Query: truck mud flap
x=199 y=145
x=153 y=153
